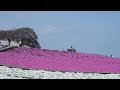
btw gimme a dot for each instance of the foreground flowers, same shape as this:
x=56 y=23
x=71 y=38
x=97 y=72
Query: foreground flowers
x=43 y=59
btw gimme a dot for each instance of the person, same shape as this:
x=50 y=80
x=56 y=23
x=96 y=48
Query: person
x=74 y=50
x=32 y=44
x=21 y=42
x=9 y=40
x=111 y=55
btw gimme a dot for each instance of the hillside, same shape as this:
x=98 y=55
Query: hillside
x=26 y=34
x=54 y=60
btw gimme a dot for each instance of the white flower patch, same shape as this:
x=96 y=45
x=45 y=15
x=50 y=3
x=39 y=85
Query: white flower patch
x=16 y=73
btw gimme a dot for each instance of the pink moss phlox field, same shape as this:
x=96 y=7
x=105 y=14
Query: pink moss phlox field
x=44 y=59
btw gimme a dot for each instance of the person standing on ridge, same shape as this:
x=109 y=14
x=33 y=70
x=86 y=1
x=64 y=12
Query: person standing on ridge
x=21 y=42
x=111 y=56
x=9 y=40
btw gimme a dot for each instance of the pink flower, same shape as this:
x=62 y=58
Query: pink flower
x=59 y=60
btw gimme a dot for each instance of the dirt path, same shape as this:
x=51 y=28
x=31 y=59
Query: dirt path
x=7 y=48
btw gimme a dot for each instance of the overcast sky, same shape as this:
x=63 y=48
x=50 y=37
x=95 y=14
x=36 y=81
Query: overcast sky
x=87 y=31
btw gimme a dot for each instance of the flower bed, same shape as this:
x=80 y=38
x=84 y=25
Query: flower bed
x=44 y=59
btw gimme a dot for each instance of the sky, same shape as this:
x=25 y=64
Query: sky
x=96 y=32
